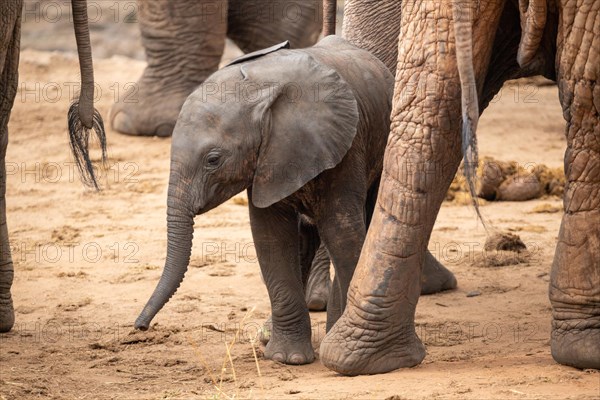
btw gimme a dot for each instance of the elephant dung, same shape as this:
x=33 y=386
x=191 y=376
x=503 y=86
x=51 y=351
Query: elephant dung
x=504 y=241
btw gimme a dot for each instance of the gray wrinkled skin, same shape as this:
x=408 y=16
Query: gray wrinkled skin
x=184 y=42
x=376 y=332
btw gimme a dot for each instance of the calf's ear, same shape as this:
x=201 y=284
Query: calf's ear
x=308 y=123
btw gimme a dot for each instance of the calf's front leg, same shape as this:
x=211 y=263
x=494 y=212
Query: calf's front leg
x=275 y=233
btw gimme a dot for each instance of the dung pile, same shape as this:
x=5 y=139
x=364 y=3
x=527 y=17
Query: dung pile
x=502 y=249
x=508 y=181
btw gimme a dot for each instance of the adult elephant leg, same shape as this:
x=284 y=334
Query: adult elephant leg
x=575 y=276
x=435 y=277
x=254 y=25
x=7 y=314
x=10 y=34
x=184 y=41
x=376 y=333
x=374 y=26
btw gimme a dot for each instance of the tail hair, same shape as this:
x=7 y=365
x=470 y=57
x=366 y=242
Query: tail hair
x=471 y=163
x=79 y=136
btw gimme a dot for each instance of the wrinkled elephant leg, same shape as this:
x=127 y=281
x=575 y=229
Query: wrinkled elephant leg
x=7 y=313
x=575 y=276
x=343 y=234
x=309 y=245
x=435 y=277
x=184 y=42
x=319 y=281
x=376 y=332
x=10 y=30
x=365 y=28
x=254 y=25
x=275 y=234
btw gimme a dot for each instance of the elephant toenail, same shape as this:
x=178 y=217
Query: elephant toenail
x=317 y=304
x=279 y=357
x=297 y=359
x=122 y=123
x=165 y=130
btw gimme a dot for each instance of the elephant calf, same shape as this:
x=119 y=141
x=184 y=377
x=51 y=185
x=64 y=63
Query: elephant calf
x=304 y=131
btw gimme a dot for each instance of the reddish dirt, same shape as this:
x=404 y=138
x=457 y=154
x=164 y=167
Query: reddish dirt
x=86 y=262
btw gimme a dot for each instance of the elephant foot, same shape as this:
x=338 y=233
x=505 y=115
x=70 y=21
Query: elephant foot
x=149 y=109
x=7 y=315
x=435 y=277
x=576 y=348
x=359 y=347
x=316 y=301
x=575 y=291
x=284 y=350
x=317 y=291
x=289 y=350
x=376 y=332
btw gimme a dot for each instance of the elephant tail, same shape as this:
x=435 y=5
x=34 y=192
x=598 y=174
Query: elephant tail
x=463 y=33
x=82 y=116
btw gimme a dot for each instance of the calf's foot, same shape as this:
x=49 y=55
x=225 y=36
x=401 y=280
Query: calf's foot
x=289 y=349
x=435 y=277
x=319 y=282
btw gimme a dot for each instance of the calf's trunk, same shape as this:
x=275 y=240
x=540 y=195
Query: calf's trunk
x=180 y=230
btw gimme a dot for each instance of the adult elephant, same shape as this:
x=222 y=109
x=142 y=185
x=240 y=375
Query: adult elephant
x=184 y=42
x=82 y=118
x=450 y=53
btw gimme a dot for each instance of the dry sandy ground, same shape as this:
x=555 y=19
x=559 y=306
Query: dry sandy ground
x=86 y=262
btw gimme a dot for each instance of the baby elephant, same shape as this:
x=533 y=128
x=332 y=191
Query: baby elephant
x=304 y=131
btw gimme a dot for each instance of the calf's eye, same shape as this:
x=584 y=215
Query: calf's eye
x=213 y=160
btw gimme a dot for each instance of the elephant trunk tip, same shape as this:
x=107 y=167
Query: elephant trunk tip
x=164 y=291
x=141 y=323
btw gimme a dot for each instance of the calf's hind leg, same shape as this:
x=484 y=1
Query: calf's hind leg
x=318 y=284
x=343 y=233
